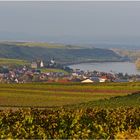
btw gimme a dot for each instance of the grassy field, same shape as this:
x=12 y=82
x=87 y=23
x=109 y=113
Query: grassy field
x=5 y=61
x=56 y=94
x=47 y=45
x=53 y=70
x=40 y=44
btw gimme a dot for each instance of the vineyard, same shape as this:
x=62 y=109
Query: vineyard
x=61 y=94
x=70 y=124
x=130 y=100
x=70 y=111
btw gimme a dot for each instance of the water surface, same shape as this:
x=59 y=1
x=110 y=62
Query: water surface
x=115 y=67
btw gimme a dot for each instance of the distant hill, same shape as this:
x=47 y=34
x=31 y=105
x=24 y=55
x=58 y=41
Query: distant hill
x=61 y=53
x=133 y=55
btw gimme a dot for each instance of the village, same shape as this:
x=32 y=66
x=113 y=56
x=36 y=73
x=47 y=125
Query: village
x=37 y=71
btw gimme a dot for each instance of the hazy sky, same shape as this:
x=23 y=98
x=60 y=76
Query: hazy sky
x=70 y=21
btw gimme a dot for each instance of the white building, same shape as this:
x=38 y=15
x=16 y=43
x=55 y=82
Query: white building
x=87 y=81
x=41 y=64
x=52 y=61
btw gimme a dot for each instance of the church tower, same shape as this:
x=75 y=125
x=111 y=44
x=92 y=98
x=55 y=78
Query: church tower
x=41 y=64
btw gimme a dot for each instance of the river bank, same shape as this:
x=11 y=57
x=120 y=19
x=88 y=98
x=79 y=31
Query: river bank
x=91 y=61
x=115 y=67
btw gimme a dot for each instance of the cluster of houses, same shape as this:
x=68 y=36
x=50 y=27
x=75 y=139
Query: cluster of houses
x=25 y=75
x=96 y=76
x=34 y=73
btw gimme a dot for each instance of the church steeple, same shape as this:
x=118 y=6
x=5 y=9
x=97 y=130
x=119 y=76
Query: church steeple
x=41 y=64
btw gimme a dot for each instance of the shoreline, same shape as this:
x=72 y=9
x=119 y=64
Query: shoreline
x=107 y=66
x=82 y=62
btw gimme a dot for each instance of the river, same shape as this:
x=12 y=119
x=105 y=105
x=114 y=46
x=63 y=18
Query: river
x=115 y=67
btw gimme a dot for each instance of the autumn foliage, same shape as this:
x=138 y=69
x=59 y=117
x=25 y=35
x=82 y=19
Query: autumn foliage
x=90 y=123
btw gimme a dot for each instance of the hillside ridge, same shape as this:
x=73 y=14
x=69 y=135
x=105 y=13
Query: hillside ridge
x=62 y=53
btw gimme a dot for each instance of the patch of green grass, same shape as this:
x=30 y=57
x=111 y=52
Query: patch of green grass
x=53 y=70
x=46 y=45
x=40 y=44
x=5 y=61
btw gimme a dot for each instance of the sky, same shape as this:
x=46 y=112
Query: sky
x=71 y=21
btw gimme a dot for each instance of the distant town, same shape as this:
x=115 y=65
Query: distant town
x=40 y=71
